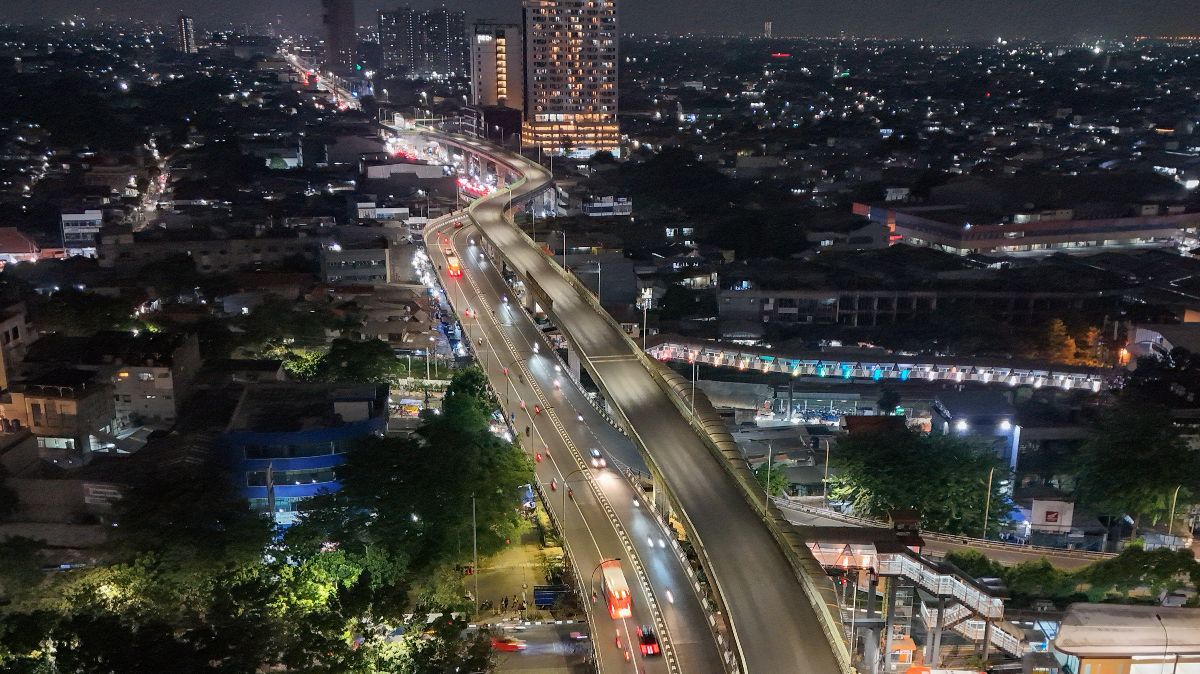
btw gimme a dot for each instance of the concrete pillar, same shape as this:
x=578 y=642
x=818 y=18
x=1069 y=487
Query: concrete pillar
x=935 y=655
x=871 y=636
x=892 y=584
x=573 y=362
x=987 y=638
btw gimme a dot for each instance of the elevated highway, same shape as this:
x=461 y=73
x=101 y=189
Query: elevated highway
x=606 y=517
x=780 y=607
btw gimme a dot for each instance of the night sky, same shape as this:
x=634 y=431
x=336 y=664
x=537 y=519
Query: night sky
x=971 y=19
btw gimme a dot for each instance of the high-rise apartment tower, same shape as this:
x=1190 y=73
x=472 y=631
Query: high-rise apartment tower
x=571 y=75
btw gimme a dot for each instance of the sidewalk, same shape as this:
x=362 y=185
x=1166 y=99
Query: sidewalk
x=512 y=573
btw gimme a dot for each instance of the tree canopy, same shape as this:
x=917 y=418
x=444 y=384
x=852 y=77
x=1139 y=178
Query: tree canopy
x=943 y=477
x=1135 y=462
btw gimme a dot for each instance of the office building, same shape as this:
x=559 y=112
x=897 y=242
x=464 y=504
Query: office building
x=571 y=76
x=497 y=65
x=338 y=18
x=286 y=440
x=80 y=230
x=185 y=41
x=767 y=30
x=424 y=44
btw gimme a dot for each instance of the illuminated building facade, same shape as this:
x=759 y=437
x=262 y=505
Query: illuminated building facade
x=497 y=65
x=428 y=44
x=571 y=76
x=185 y=39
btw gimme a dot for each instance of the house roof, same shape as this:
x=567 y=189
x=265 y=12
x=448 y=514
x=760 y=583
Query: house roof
x=13 y=241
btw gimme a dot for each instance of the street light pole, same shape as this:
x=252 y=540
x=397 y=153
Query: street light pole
x=1166 y=646
x=987 y=504
x=1171 y=521
x=692 y=400
x=475 y=551
x=825 y=484
x=592 y=575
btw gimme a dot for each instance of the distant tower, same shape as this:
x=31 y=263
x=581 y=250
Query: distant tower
x=186 y=40
x=767 y=30
x=338 y=17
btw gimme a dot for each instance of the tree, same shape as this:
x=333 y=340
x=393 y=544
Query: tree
x=1057 y=344
x=1134 y=463
x=191 y=521
x=889 y=399
x=278 y=321
x=412 y=497
x=943 y=477
x=80 y=314
x=440 y=646
x=778 y=483
x=365 y=361
x=20 y=567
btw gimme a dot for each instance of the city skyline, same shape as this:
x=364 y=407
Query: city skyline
x=972 y=20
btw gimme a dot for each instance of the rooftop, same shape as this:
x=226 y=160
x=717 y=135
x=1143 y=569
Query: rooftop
x=1124 y=630
x=290 y=407
x=114 y=347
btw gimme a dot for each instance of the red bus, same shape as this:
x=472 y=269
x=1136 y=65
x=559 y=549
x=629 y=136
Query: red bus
x=453 y=266
x=616 y=590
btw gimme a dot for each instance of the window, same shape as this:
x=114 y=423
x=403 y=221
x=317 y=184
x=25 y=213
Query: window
x=258 y=478
x=145 y=376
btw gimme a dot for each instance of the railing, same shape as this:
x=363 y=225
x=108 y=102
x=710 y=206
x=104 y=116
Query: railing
x=1000 y=634
x=884 y=366
x=950 y=539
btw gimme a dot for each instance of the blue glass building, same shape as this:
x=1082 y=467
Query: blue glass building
x=286 y=440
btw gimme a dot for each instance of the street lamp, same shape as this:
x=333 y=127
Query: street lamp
x=592 y=575
x=428 y=353
x=987 y=504
x=1166 y=646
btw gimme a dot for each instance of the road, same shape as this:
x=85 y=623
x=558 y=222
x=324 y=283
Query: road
x=605 y=518
x=548 y=648
x=775 y=627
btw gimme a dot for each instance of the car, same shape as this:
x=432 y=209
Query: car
x=537 y=409
x=597 y=458
x=458 y=225
x=508 y=644
x=648 y=641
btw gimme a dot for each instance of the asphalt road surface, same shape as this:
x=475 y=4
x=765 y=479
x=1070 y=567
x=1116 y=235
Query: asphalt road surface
x=775 y=628
x=605 y=518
